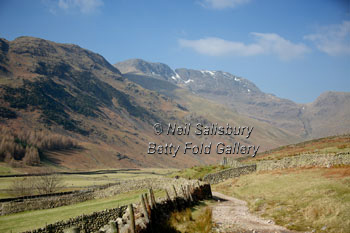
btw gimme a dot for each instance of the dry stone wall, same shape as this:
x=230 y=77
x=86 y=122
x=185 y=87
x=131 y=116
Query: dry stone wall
x=220 y=176
x=86 y=223
x=101 y=221
x=21 y=205
x=147 y=183
x=306 y=160
x=232 y=162
x=52 y=201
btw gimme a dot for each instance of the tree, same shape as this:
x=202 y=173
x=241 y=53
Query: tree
x=31 y=156
x=22 y=187
x=48 y=182
x=44 y=183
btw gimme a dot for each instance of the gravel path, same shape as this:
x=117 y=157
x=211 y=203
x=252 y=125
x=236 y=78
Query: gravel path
x=232 y=215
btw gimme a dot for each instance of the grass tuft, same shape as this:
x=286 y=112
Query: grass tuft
x=192 y=221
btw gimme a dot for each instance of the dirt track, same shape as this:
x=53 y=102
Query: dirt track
x=232 y=215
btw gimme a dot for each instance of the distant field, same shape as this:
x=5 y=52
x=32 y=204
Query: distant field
x=299 y=199
x=30 y=220
x=79 y=181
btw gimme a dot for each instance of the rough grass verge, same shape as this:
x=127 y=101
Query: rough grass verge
x=299 y=199
x=198 y=219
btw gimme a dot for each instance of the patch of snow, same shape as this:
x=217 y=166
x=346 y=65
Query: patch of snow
x=248 y=90
x=237 y=79
x=188 y=81
x=212 y=73
x=176 y=77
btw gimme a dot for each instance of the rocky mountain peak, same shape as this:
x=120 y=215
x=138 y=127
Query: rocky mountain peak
x=218 y=82
x=139 y=66
x=41 y=54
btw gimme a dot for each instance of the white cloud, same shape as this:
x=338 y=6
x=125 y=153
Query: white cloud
x=265 y=43
x=217 y=47
x=333 y=39
x=222 y=4
x=275 y=44
x=84 y=6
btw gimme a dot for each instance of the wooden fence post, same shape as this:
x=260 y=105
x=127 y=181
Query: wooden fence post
x=175 y=193
x=184 y=193
x=167 y=195
x=132 y=219
x=144 y=208
x=147 y=204
x=150 y=197
x=153 y=200
x=210 y=193
x=189 y=193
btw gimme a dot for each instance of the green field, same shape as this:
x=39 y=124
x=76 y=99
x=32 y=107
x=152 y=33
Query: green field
x=38 y=218
x=30 y=220
x=300 y=199
x=78 y=181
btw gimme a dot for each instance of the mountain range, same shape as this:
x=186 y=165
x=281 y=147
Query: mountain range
x=111 y=109
x=323 y=117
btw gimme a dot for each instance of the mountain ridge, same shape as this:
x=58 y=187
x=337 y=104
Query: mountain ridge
x=74 y=92
x=246 y=98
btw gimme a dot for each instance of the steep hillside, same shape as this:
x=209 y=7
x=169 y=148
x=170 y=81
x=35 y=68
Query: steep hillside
x=195 y=97
x=328 y=115
x=244 y=97
x=327 y=145
x=75 y=92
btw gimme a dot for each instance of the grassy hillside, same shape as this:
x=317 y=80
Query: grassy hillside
x=328 y=145
x=197 y=172
x=68 y=90
x=300 y=199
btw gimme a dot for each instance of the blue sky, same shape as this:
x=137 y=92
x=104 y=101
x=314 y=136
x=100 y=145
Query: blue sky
x=295 y=49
